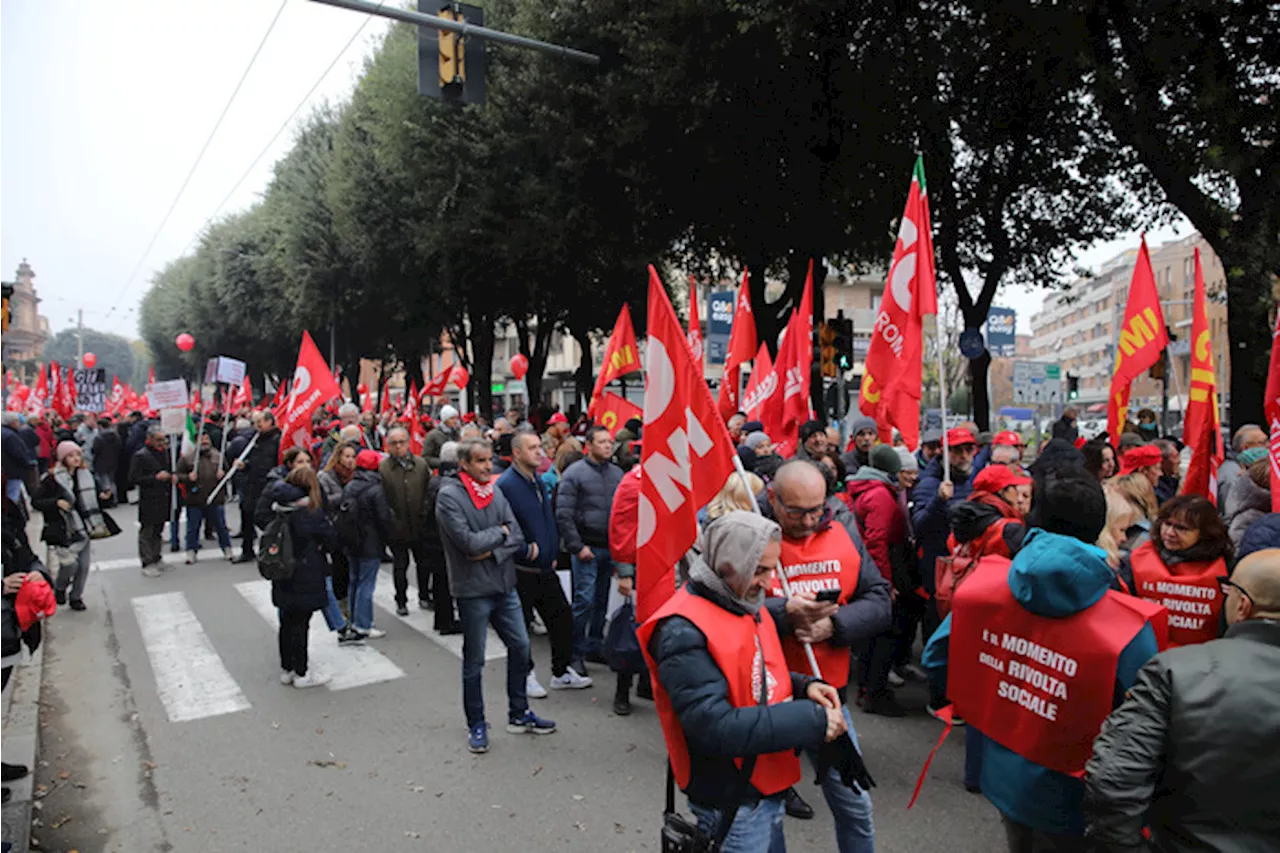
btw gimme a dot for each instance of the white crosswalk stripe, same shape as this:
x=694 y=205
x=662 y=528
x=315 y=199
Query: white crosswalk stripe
x=134 y=563
x=422 y=621
x=191 y=680
x=349 y=666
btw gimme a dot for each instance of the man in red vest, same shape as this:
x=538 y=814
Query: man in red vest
x=823 y=557
x=723 y=690
x=1038 y=651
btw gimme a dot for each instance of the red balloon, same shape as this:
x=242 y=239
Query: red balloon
x=460 y=377
x=519 y=365
x=90 y=359
x=185 y=342
x=362 y=388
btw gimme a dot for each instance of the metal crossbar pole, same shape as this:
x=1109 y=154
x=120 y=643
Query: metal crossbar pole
x=462 y=28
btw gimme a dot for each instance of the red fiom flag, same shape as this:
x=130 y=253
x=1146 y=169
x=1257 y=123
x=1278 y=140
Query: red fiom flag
x=313 y=386
x=742 y=344
x=435 y=387
x=686 y=456
x=760 y=387
x=39 y=398
x=620 y=356
x=615 y=411
x=1203 y=429
x=1142 y=338
x=695 y=323
x=1271 y=409
x=787 y=409
x=891 y=383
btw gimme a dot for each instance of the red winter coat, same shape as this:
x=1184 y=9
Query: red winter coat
x=47 y=440
x=875 y=505
x=624 y=518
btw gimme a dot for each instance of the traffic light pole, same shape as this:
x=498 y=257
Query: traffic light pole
x=462 y=28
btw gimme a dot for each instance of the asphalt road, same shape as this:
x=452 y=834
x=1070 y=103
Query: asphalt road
x=165 y=727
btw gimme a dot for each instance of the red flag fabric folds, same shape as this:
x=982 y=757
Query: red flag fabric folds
x=1203 y=429
x=742 y=345
x=1142 y=338
x=313 y=386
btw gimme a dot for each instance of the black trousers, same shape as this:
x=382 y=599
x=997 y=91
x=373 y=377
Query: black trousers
x=542 y=590
x=341 y=573
x=400 y=569
x=150 y=543
x=248 y=533
x=440 y=595
x=294 y=625
x=1024 y=839
x=893 y=647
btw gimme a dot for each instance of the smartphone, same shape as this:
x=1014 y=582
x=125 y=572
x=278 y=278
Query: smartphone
x=830 y=596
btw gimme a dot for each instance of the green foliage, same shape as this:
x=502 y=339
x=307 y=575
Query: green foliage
x=114 y=353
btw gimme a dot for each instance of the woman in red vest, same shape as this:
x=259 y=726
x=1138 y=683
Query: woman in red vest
x=724 y=693
x=1179 y=568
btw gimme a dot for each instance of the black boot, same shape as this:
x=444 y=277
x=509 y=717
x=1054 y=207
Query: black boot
x=622 y=697
x=796 y=806
x=12 y=772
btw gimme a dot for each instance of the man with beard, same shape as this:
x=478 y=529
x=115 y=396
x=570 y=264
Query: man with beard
x=862 y=433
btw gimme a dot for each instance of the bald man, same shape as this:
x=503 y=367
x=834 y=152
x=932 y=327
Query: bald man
x=823 y=554
x=1194 y=751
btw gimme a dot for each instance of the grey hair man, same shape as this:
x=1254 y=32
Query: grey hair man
x=151 y=471
x=405 y=478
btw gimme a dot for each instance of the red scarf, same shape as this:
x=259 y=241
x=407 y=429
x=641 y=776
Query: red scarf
x=481 y=493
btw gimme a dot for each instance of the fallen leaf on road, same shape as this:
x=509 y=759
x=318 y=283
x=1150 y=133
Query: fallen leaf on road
x=150 y=765
x=328 y=762
x=64 y=775
x=580 y=826
x=536 y=770
x=631 y=747
x=411 y=834
x=418 y=789
x=439 y=793
x=578 y=797
x=274 y=724
x=318 y=731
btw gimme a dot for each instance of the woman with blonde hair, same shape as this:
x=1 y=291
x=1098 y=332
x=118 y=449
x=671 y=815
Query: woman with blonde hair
x=734 y=496
x=1122 y=514
x=1137 y=490
x=305 y=592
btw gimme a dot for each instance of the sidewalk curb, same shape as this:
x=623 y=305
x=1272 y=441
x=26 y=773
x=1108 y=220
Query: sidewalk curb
x=21 y=746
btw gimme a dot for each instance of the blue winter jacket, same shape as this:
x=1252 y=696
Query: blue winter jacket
x=531 y=502
x=931 y=516
x=1052 y=575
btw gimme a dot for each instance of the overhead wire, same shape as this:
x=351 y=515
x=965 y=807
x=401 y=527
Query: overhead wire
x=199 y=157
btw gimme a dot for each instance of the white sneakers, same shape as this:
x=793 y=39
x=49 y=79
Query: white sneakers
x=313 y=678
x=569 y=681
x=287 y=677
x=533 y=689
x=374 y=633
x=536 y=625
x=192 y=556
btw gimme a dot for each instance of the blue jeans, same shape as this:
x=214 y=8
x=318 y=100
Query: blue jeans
x=217 y=518
x=364 y=577
x=332 y=611
x=855 y=832
x=507 y=617
x=756 y=828
x=591 y=579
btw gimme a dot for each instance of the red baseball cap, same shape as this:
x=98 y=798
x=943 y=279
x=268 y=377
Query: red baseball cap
x=1010 y=438
x=557 y=418
x=959 y=436
x=1137 y=458
x=994 y=478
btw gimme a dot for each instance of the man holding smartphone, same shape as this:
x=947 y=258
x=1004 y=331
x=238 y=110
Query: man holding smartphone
x=838 y=599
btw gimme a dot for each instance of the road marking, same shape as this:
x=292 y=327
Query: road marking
x=135 y=563
x=384 y=595
x=190 y=678
x=349 y=666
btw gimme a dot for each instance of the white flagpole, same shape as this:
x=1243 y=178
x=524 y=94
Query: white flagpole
x=942 y=399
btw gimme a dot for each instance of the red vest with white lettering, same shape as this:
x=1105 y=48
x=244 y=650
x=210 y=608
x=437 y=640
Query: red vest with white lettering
x=739 y=644
x=1190 y=593
x=825 y=560
x=1037 y=685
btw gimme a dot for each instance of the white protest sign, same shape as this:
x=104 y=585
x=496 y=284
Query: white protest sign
x=168 y=395
x=223 y=369
x=173 y=421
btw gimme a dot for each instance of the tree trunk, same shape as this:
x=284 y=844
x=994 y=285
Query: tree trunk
x=1249 y=331
x=480 y=387
x=767 y=326
x=584 y=377
x=979 y=395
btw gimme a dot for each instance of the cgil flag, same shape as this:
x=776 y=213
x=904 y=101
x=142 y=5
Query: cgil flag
x=313 y=386
x=1203 y=428
x=1142 y=338
x=789 y=407
x=892 y=380
x=39 y=399
x=615 y=411
x=1271 y=411
x=620 y=357
x=686 y=455
x=760 y=387
x=742 y=345
x=695 y=323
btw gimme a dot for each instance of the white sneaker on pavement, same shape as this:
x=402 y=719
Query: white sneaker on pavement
x=570 y=680
x=287 y=677
x=314 y=678
x=533 y=689
x=896 y=680
x=537 y=626
x=192 y=556
x=374 y=634
x=150 y=571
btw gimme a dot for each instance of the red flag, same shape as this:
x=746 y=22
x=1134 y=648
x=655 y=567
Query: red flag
x=17 y=400
x=760 y=387
x=1203 y=429
x=410 y=413
x=64 y=402
x=386 y=401
x=785 y=411
x=313 y=386
x=1142 y=338
x=742 y=344
x=615 y=411
x=1271 y=408
x=687 y=454
x=151 y=376
x=366 y=400
x=435 y=387
x=277 y=401
x=891 y=383
x=695 y=324
x=39 y=399
x=620 y=356
x=116 y=400
x=243 y=395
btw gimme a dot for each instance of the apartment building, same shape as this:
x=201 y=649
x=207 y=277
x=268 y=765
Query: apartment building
x=1076 y=328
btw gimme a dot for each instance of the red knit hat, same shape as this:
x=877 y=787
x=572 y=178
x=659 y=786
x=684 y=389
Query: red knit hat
x=368 y=460
x=35 y=601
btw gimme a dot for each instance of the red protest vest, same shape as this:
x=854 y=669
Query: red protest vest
x=1190 y=593
x=738 y=644
x=825 y=560
x=1038 y=686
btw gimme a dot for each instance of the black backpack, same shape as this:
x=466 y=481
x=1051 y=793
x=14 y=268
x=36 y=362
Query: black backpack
x=275 y=549
x=347 y=520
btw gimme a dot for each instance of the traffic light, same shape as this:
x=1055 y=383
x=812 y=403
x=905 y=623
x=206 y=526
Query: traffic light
x=1073 y=387
x=827 y=337
x=451 y=67
x=843 y=342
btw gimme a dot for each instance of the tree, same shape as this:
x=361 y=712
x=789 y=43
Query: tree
x=114 y=352
x=1191 y=89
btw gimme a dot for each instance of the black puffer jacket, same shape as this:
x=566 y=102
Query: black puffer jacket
x=261 y=461
x=366 y=489
x=313 y=540
x=583 y=501
x=971 y=519
x=1194 y=751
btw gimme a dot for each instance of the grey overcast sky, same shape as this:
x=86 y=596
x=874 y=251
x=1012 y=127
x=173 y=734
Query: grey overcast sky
x=104 y=107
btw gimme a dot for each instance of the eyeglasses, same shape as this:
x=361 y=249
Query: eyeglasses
x=1226 y=584
x=1176 y=527
x=802 y=512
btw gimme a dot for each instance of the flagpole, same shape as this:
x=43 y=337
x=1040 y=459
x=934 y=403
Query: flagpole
x=231 y=469
x=226 y=416
x=942 y=400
